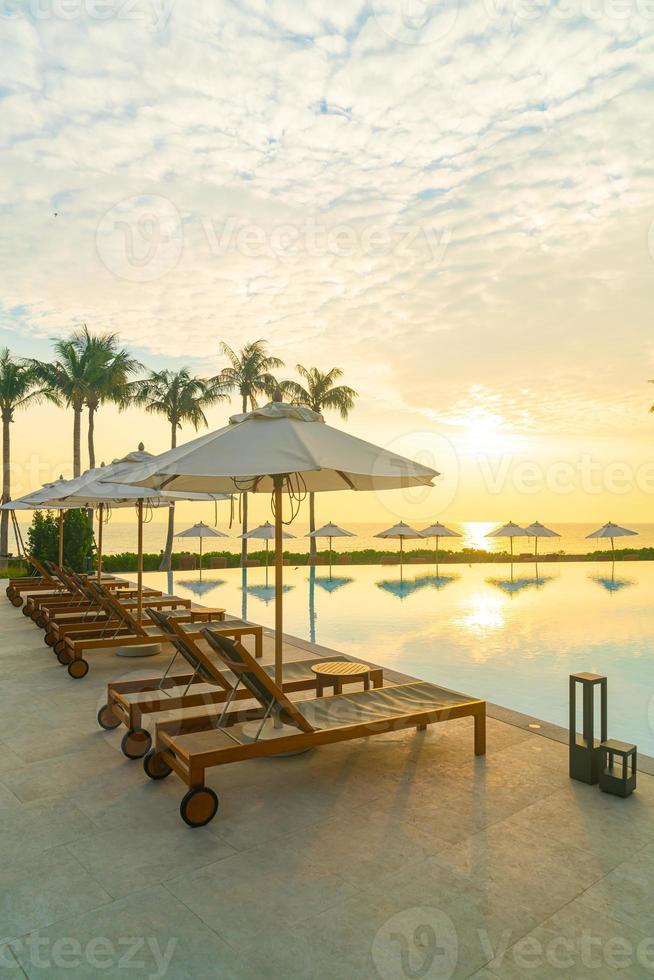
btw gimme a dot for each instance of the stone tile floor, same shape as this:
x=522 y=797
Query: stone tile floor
x=400 y=857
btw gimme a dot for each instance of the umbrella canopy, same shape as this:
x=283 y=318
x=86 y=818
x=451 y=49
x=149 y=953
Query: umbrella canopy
x=201 y=530
x=400 y=531
x=439 y=531
x=274 y=448
x=611 y=530
x=46 y=499
x=266 y=532
x=538 y=530
x=510 y=531
x=330 y=530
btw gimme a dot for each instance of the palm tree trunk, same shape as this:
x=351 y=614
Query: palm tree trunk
x=77 y=437
x=91 y=435
x=166 y=558
x=6 y=488
x=244 y=511
x=313 y=547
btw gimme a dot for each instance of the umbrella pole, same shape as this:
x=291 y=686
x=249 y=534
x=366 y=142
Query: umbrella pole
x=511 y=540
x=279 y=580
x=536 y=547
x=61 y=538
x=436 y=554
x=100 y=523
x=330 y=556
x=139 y=561
x=200 y=557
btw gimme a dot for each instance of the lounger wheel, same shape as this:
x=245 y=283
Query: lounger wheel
x=16 y=601
x=199 y=806
x=78 y=669
x=41 y=621
x=107 y=719
x=49 y=639
x=136 y=743
x=155 y=766
x=26 y=611
x=63 y=655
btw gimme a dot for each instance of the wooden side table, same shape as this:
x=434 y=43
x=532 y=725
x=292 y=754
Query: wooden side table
x=333 y=673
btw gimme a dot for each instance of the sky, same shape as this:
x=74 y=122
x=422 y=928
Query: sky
x=453 y=202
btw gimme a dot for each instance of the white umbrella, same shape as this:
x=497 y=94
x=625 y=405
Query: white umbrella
x=201 y=531
x=510 y=531
x=88 y=490
x=274 y=448
x=438 y=531
x=611 y=531
x=265 y=532
x=38 y=500
x=400 y=531
x=538 y=530
x=330 y=531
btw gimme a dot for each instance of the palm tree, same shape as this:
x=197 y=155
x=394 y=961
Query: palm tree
x=19 y=387
x=248 y=375
x=66 y=380
x=181 y=399
x=106 y=374
x=319 y=394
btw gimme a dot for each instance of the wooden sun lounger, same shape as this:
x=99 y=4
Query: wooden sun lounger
x=124 y=630
x=73 y=593
x=311 y=723
x=92 y=611
x=196 y=694
x=43 y=581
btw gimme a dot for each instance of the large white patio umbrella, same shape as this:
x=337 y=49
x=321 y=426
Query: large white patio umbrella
x=400 y=531
x=90 y=491
x=612 y=531
x=201 y=531
x=275 y=449
x=510 y=531
x=330 y=531
x=438 y=531
x=538 y=530
x=41 y=499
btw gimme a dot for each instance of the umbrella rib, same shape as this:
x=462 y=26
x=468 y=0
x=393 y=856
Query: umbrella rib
x=346 y=479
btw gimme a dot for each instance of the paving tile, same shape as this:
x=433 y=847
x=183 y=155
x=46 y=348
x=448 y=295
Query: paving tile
x=125 y=861
x=149 y=934
x=30 y=828
x=36 y=890
x=626 y=892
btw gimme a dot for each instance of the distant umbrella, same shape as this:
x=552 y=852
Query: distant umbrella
x=331 y=531
x=265 y=532
x=437 y=531
x=201 y=531
x=400 y=531
x=510 y=531
x=611 y=531
x=538 y=530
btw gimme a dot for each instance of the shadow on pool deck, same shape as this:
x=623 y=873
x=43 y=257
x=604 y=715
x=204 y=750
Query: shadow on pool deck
x=400 y=856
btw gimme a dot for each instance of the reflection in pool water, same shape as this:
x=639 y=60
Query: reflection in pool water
x=515 y=647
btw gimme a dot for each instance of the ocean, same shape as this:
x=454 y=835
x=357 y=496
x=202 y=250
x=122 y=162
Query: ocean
x=120 y=535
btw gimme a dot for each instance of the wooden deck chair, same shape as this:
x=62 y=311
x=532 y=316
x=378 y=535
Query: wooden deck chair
x=125 y=630
x=43 y=581
x=196 y=694
x=91 y=607
x=305 y=724
x=70 y=594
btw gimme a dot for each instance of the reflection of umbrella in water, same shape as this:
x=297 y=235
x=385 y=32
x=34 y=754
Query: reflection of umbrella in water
x=200 y=586
x=437 y=581
x=401 y=588
x=265 y=592
x=612 y=584
x=513 y=585
x=332 y=583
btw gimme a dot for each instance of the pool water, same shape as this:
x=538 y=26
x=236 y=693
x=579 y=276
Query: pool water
x=512 y=639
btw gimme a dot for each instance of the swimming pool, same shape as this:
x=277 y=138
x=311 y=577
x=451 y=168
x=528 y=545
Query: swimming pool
x=510 y=639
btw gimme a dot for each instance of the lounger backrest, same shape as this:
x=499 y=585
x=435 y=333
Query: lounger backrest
x=119 y=610
x=260 y=685
x=43 y=572
x=188 y=649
